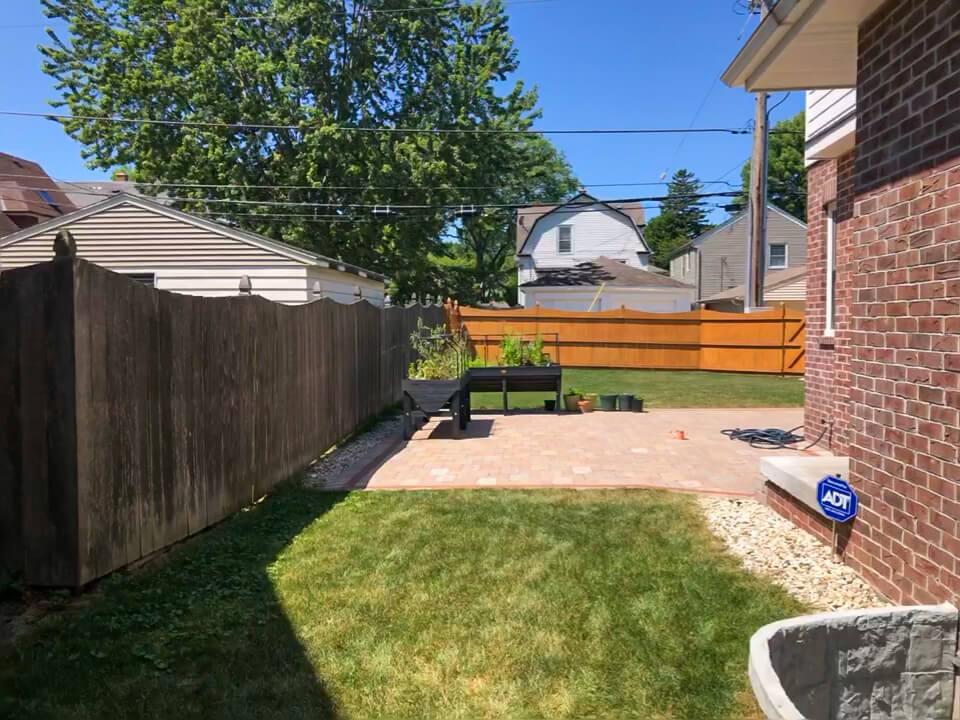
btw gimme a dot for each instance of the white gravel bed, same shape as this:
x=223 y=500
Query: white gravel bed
x=342 y=458
x=770 y=545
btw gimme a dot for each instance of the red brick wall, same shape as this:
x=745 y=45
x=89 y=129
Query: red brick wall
x=827 y=375
x=904 y=321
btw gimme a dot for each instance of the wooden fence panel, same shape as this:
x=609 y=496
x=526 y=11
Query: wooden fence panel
x=148 y=416
x=768 y=342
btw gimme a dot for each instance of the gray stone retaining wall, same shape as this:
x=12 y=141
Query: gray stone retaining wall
x=878 y=664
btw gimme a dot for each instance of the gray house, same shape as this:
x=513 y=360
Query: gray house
x=717 y=260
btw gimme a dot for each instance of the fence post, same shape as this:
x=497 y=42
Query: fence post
x=783 y=339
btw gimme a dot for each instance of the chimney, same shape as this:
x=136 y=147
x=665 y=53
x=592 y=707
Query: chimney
x=121 y=176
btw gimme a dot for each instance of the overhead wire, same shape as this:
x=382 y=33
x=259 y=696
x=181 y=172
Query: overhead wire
x=82 y=184
x=388 y=130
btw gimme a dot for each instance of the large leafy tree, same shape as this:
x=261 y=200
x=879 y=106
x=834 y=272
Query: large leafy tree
x=682 y=217
x=786 y=172
x=329 y=76
x=481 y=263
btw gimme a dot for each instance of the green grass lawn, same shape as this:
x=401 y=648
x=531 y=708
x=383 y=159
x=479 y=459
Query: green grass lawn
x=420 y=605
x=668 y=388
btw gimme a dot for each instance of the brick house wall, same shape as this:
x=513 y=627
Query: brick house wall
x=827 y=375
x=892 y=378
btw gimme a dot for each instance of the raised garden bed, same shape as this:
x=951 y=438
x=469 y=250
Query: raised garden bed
x=517 y=378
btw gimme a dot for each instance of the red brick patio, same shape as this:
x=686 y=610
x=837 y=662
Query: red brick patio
x=588 y=451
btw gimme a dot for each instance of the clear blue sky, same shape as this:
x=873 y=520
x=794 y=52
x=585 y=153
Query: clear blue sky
x=597 y=64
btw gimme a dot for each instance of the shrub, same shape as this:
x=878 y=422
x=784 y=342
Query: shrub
x=440 y=355
x=514 y=351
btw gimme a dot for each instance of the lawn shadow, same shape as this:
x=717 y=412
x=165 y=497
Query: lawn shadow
x=199 y=632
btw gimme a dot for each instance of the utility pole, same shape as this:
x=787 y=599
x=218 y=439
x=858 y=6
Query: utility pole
x=757 y=242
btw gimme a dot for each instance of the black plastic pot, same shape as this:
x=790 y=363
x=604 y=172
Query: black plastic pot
x=550 y=405
x=607 y=402
x=624 y=402
x=636 y=404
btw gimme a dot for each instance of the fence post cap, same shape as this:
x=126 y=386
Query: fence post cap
x=246 y=287
x=64 y=245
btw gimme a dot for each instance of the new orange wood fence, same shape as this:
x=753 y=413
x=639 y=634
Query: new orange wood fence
x=767 y=342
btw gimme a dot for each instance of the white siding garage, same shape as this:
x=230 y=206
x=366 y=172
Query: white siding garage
x=183 y=253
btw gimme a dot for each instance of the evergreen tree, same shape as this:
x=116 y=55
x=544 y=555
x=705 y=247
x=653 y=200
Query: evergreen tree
x=682 y=217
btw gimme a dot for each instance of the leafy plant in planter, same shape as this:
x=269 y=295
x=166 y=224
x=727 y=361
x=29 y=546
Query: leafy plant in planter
x=570 y=399
x=440 y=355
x=514 y=351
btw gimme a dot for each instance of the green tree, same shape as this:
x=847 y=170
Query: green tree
x=786 y=172
x=682 y=217
x=316 y=71
x=480 y=264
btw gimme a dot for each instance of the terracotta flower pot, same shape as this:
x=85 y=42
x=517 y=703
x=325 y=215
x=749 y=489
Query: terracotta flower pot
x=585 y=406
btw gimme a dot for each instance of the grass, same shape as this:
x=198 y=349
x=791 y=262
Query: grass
x=668 y=389
x=430 y=605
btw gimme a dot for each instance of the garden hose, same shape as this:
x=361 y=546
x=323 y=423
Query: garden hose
x=772 y=438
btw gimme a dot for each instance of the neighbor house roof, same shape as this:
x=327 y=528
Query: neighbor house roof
x=599 y=271
x=529 y=216
x=732 y=220
x=305 y=256
x=90 y=192
x=772 y=281
x=26 y=189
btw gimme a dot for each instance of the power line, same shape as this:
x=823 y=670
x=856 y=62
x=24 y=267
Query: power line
x=81 y=184
x=409 y=206
x=389 y=130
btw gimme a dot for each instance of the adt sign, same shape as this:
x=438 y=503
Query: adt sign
x=837 y=499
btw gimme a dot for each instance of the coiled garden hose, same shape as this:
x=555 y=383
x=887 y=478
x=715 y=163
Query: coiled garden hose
x=772 y=438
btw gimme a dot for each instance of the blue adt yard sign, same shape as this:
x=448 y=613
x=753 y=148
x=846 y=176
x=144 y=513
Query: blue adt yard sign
x=837 y=499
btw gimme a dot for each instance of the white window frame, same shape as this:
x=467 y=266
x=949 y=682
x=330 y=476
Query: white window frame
x=786 y=257
x=686 y=263
x=560 y=251
x=830 y=266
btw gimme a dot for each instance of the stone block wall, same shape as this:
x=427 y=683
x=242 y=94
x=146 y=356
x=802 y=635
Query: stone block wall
x=882 y=664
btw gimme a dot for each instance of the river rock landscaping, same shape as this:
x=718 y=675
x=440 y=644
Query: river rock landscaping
x=772 y=546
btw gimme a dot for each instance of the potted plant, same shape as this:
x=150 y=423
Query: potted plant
x=591 y=399
x=571 y=398
x=585 y=406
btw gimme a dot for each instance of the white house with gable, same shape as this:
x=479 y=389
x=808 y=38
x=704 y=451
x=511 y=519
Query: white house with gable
x=173 y=250
x=589 y=254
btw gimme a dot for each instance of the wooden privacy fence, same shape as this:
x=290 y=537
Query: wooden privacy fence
x=131 y=418
x=766 y=342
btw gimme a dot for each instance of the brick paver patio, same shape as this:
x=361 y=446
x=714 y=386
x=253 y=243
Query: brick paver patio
x=609 y=449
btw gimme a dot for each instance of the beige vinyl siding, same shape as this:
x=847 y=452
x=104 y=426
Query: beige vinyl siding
x=129 y=236
x=686 y=267
x=182 y=257
x=342 y=287
x=797 y=290
x=723 y=254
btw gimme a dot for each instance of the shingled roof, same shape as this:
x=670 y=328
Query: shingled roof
x=27 y=194
x=599 y=271
x=528 y=216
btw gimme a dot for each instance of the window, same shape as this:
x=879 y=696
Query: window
x=565 y=239
x=778 y=256
x=49 y=200
x=686 y=263
x=147 y=279
x=831 y=268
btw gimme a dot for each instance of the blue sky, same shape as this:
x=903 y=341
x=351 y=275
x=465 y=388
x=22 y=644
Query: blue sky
x=596 y=63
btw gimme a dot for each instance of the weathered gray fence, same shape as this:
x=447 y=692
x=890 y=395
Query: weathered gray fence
x=131 y=418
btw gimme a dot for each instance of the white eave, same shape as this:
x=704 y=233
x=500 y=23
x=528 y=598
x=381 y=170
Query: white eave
x=802 y=45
